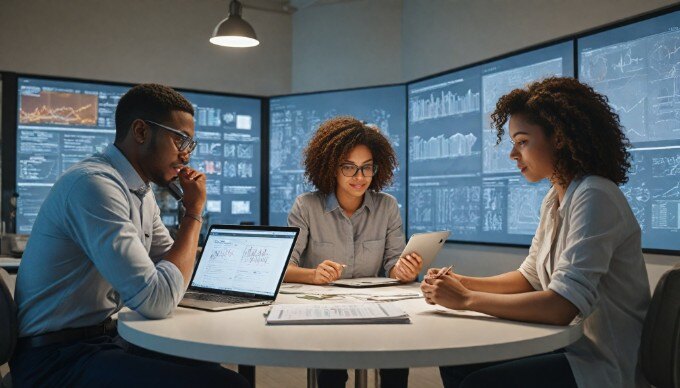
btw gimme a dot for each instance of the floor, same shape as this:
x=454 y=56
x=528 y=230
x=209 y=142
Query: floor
x=271 y=377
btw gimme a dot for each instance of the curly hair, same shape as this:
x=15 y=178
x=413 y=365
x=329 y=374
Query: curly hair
x=585 y=131
x=334 y=139
x=150 y=102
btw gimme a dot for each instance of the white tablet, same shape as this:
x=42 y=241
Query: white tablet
x=364 y=282
x=427 y=245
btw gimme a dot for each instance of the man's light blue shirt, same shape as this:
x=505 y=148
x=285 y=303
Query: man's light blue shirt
x=97 y=245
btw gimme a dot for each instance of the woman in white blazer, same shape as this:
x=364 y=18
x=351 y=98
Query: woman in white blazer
x=585 y=261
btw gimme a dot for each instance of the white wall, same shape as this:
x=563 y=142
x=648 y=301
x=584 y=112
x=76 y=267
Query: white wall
x=135 y=41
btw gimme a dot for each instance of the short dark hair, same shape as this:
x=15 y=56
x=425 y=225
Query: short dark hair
x=149 y=102
x=334 y=139
x=585 y=131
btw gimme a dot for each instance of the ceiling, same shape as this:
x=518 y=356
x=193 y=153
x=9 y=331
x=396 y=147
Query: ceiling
x=288 y=6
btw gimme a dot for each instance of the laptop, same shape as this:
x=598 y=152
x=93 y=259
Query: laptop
x=240 y=266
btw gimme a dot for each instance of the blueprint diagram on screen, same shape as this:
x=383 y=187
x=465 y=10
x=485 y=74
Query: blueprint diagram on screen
x=524 y=205
x=295 y=119
x=642 y=80
x=496 y=158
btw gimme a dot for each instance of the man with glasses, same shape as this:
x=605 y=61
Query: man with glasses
x=98 y=244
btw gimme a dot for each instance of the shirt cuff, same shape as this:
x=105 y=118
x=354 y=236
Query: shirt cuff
x=173 y=276
x=161 y=293
x=531 y=279
x=574 y=290
x=389 y=265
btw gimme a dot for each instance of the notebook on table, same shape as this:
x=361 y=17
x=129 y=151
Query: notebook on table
x=240 y=266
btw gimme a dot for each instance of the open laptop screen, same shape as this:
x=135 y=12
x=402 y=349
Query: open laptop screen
x=248 y=261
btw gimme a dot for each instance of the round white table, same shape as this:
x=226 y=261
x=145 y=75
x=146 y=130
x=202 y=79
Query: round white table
x=434 y=337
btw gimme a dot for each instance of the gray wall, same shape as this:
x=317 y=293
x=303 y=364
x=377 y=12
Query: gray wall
x=346 y=45
x=373 y=42
x=135 y=41
x=438 y=35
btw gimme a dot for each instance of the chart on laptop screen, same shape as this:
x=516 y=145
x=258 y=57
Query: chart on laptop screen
x=244 y=261
x=459 y=179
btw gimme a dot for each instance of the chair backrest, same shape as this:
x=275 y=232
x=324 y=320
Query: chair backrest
x=9 y=326
x=660 y=345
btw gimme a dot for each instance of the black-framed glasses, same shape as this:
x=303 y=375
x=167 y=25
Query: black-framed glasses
x=350 y=170
x=185 y=144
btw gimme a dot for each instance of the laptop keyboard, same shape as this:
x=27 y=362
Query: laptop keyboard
x=218 y=298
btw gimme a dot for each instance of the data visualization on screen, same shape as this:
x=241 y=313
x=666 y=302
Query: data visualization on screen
x=62 y=122
x=637 y=67
x=459 y=179
x=294 y=119
x=228 y=131
x=59 y=124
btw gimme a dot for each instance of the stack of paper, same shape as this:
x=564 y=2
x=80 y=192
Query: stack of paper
x=315 y=314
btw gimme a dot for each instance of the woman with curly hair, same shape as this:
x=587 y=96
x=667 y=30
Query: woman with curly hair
x=585 y=261
x=348 y=228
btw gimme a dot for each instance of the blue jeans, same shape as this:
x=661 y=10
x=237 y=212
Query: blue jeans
x=109 y=361
x=545 y=370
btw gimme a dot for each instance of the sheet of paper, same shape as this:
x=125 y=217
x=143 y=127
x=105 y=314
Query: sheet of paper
x=329 y=313
x=462 y=313
x=382 y=294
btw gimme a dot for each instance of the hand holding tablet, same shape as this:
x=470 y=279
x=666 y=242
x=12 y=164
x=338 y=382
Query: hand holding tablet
x=426 y=245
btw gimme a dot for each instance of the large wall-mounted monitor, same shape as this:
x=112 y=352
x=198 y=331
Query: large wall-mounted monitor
x=61 y=122
x=459 y=179
x=293 y=119
x=58 y=124
x=228 y=131
x=637 y=66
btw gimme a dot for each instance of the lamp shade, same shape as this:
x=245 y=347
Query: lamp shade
x=234 y=31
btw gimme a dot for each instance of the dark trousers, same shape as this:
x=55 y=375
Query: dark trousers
x=546 y=370
x=109 y=361
x=336 y=378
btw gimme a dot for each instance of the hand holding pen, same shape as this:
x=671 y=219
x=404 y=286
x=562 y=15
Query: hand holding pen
x=434 y=273
x=328 y=271
x=447 y=291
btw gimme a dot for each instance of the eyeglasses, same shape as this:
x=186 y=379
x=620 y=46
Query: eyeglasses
x=185 y=144
x=350 y=170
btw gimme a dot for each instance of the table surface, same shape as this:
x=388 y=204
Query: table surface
x=435 y=336
x=10 y=264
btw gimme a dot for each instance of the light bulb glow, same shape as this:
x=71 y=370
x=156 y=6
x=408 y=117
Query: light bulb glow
x=234 y=41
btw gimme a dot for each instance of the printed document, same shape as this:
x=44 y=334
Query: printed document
x=312 y=314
